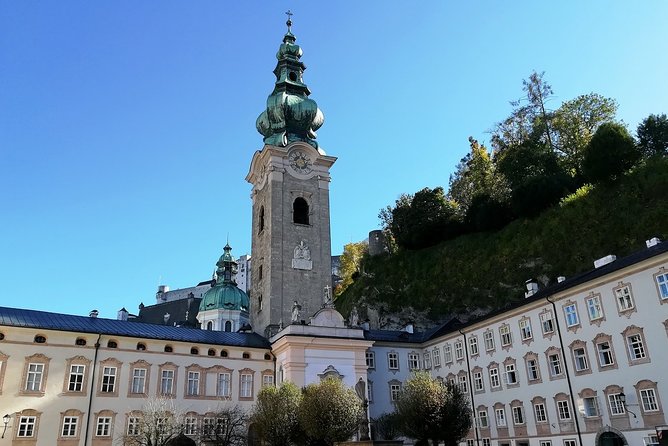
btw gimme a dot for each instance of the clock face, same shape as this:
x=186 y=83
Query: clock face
x=300 y=162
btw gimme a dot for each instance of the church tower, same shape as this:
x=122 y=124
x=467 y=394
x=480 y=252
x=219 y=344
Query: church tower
x=291 y=246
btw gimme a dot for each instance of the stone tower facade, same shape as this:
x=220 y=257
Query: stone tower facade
x=291 y=247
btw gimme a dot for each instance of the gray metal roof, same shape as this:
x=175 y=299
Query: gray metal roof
x=17 y=317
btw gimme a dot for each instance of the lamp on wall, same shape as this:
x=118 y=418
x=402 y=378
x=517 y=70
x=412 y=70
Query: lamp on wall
x=622 y=398
x=5 y=420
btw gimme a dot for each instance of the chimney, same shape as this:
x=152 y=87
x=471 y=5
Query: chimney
x=604 y=260
x=652 y=242
x=122 y=314
x=532 y=288
x=409 y=328
x=93 y=313
x=560 y=279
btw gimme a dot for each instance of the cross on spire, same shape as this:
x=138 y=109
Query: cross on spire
x=289 y=22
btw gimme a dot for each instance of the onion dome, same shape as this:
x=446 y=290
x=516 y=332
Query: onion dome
x=224 y=294
x=290 y=114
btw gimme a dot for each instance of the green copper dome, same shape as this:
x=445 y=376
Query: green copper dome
x=290 y=114
x=225 y=295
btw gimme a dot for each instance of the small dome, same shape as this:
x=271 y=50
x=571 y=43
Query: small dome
x=224 y=296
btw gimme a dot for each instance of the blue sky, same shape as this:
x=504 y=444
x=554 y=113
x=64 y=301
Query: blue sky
x=127 y=127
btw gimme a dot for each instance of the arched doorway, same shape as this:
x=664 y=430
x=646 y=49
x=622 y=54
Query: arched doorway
x=253 y=436
x=610 y=439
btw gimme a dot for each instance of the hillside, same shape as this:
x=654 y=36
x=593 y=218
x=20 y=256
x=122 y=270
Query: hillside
x=483 y=271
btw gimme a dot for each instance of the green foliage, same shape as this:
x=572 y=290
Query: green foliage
x=424 y=219
x=487 y=270
x=610 y=153
x=575 y=123
x=275 y=414
x=579 y=194
x=485 y=213
x=350 y=264
x=385 y=427
x=329 y=412
x=427 y=409
x=652 y=135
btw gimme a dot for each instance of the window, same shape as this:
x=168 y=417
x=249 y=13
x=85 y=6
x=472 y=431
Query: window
x=76 y=378
x=590 y=405
x=470 y=442
x=300 y=211
x=211 y=351
x=267 y=380
x=473 y=345
x=194 y=351
x=570 y=442
x=133 y=426
x=261 y=220
x=525 y=329
x=108 y=380
x=463 y=384
x=413 y=361
x=580 y=359
x=547 y=322
x=486 y=442
x=141 y=346
x=70 y=426
x=371 y=360
x=26 y=426
x=395 y=389
x=511 y=374
x=500 y=417
x=494 y=381
x=478 y=383
x=555 y=365
x=459 y=350
x=393 y=361
x=138 y=380
x=571 y=313
x=447 y=353
x=563 y=410
x=482 y=418
x=488 y=337
x=616 y=404
x=190 y=426
x=624 y=298
x=648 y=400
x=636 y=347
x=246 y=386
x=518 y=415
x=34 y=377
x=427 y=360
x=103 y=427
x=533 y=372
x=193 y=383
x=167 y=382
x=539 y=412
x=506 y=336
x=545 y=443
x=436 y=354
x=39 y=339
x=112 y=344
x=594 y=308
x=605 y=357
x=208 y=426
x=245 y=355
x=223 y=353
x=662 y=284
x=80 y=342
x=260 y=272
x=224 y=381
x=169 y=349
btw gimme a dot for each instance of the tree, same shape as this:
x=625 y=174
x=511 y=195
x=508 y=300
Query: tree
x=576 y=121
x=538 y=92
x=609 y=154
x=228 y=427
x=351 y=260
x=474 y=175
x=427 y=409
x=156 y=424
x=385 y=427
x=275 y=414
x=652 y=135
x=329 y=412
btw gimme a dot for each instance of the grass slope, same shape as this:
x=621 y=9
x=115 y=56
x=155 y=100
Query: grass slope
x=488 y=270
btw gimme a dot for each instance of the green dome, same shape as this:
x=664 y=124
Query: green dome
x=225 y=295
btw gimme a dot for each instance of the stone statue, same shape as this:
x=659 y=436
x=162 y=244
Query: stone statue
x=360 y=389
x=328 y=296
x=296 y=308
x=302 y=257
x=354 y=317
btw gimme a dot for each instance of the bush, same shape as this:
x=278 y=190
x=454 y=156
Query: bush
x=610 y=153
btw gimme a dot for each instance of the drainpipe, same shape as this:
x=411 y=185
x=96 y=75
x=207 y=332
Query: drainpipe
x=92 y=388
x=568 y=375
x=468 y=370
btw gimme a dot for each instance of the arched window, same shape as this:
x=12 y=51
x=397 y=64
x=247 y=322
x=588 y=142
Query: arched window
x=267 y=356
x=261 y=220
x=211 y=352
x=245 y=355
x=228 y=326
x=300 y=211
x=141 y=346
x=223 y=353
x=194 y=351
x=112 y=344
x=80 y=341
x=39 y=339
x=168 y=349
x=209 y=325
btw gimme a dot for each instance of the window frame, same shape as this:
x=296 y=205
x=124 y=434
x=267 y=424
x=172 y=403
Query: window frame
x=393 y=361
